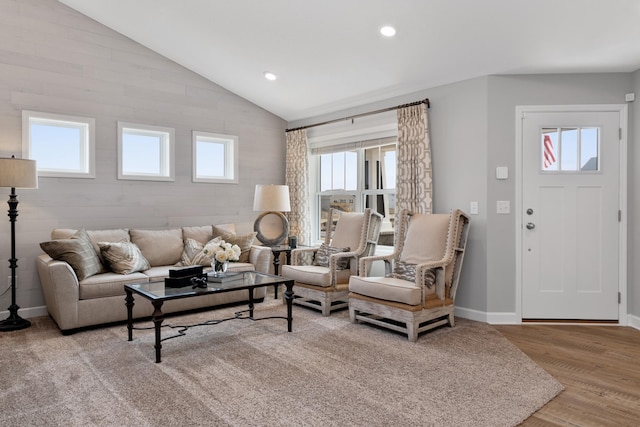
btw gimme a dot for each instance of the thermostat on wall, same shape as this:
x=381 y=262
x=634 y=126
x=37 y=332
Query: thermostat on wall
x=502 y=172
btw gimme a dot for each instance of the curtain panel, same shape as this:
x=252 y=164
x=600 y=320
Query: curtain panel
x=297 y=178
x=414 y=190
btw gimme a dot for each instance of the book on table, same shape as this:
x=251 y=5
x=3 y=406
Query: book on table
x=228 y=277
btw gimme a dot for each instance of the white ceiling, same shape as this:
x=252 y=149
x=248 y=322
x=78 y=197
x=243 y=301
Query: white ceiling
x=329 y=56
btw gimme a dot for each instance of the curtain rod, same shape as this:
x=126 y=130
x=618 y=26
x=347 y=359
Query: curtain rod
x=384 y=110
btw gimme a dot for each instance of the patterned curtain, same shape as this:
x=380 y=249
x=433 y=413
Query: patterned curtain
x=414 y=189
x=297 y=178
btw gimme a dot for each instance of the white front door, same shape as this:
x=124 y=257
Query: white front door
x=570 y=215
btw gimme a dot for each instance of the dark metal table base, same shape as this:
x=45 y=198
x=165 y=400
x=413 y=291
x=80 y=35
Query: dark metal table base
x=158 y=317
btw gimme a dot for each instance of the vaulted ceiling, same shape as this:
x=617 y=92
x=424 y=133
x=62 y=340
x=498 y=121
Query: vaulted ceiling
x=328 y=55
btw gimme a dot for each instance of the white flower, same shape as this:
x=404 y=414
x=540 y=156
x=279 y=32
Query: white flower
x=222 y=251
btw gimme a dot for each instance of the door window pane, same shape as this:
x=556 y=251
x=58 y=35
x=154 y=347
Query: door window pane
x=589 y=150
x=569 y=147
x=570 y=150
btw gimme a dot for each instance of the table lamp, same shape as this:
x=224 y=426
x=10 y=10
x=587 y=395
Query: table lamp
x=15 y=173
x=271 y=226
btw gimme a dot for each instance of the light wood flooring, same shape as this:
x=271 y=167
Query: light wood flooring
x=599 y=367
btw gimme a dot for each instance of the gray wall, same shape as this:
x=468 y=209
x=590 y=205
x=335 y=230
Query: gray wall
x=458 y=129
x=54 y=59
x=505 y=93
x=472 y=125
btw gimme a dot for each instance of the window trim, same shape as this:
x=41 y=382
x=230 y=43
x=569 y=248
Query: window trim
x=167 y=155
x=360 y=192
x=231 y=163
x=87 y=149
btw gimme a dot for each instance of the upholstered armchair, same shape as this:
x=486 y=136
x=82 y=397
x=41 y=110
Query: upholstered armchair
x=321 y=274
x=421 y=276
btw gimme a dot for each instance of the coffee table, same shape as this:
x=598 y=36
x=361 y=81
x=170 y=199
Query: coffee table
x=158 y=293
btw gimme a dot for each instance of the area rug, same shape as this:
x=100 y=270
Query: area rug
x=327 y=372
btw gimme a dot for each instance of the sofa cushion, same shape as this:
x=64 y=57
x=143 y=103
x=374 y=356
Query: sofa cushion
x=325 y=251
x=200 y=234
x=78 y=252
x=245 y=241
x=109 y=235
x=159 y=247
x=123 y=257
x=108 y=284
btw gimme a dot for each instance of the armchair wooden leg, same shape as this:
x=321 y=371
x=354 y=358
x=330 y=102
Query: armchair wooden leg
x=412 y=331
x=352 y=314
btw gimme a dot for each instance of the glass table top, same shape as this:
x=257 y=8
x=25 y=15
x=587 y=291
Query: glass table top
x=233 y=281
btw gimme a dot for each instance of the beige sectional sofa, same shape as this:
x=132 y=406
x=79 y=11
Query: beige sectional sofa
x=98 y=298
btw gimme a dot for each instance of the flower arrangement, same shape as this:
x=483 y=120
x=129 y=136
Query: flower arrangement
x=222 y=251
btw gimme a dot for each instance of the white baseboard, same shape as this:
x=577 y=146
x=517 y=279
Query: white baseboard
x=27 y=313
x=470 y=314
x=633 y=321
x=503 y=319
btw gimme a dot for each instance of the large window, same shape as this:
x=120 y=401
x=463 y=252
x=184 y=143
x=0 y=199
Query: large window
x=356 y=179
x=145 y=152
x=215 y=158
x=61 y=145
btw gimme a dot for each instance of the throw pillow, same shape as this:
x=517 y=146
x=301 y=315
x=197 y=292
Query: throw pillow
x=406 y=271
x=324 y=251
x=78 y=252
x=244 y=241
x=123 y=257
x=193 y=254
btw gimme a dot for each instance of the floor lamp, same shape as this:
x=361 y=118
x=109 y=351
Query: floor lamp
x=15 y=173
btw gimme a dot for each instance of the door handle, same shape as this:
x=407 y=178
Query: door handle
x=530 y=226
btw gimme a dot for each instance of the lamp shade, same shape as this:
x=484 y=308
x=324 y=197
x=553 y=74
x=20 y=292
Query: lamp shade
x=272 y=198
x=18 y=173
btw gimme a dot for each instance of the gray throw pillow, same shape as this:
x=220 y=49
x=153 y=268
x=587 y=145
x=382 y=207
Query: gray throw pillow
x=123 y=257
x=324 y=251
x=244 y=241
x=78 y=252
x=406 y=271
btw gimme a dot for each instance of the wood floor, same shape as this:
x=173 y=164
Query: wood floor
x=599 y=367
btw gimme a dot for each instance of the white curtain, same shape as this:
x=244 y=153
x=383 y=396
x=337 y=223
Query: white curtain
x=414 y=190
x=297 y=178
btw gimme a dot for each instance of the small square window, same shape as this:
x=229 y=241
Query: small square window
x=215 y=158
x=61 y=145
x=145 y=152
x=570 y=149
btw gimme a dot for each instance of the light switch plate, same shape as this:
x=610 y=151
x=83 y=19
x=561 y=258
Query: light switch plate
x=503 y=207
x=502 y=172
x=473 y=208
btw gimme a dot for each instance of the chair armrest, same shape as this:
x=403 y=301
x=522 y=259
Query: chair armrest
x=365 y=264
x=303 y=256
x=260 y=257
x=421 y=276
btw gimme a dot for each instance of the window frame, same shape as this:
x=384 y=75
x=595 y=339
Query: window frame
x=231 y=163
x=87 y=150
x=167 y=152
x=359 y=192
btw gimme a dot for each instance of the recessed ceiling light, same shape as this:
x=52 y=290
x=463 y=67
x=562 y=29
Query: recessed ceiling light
x=388 y=31
x=270 y=76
